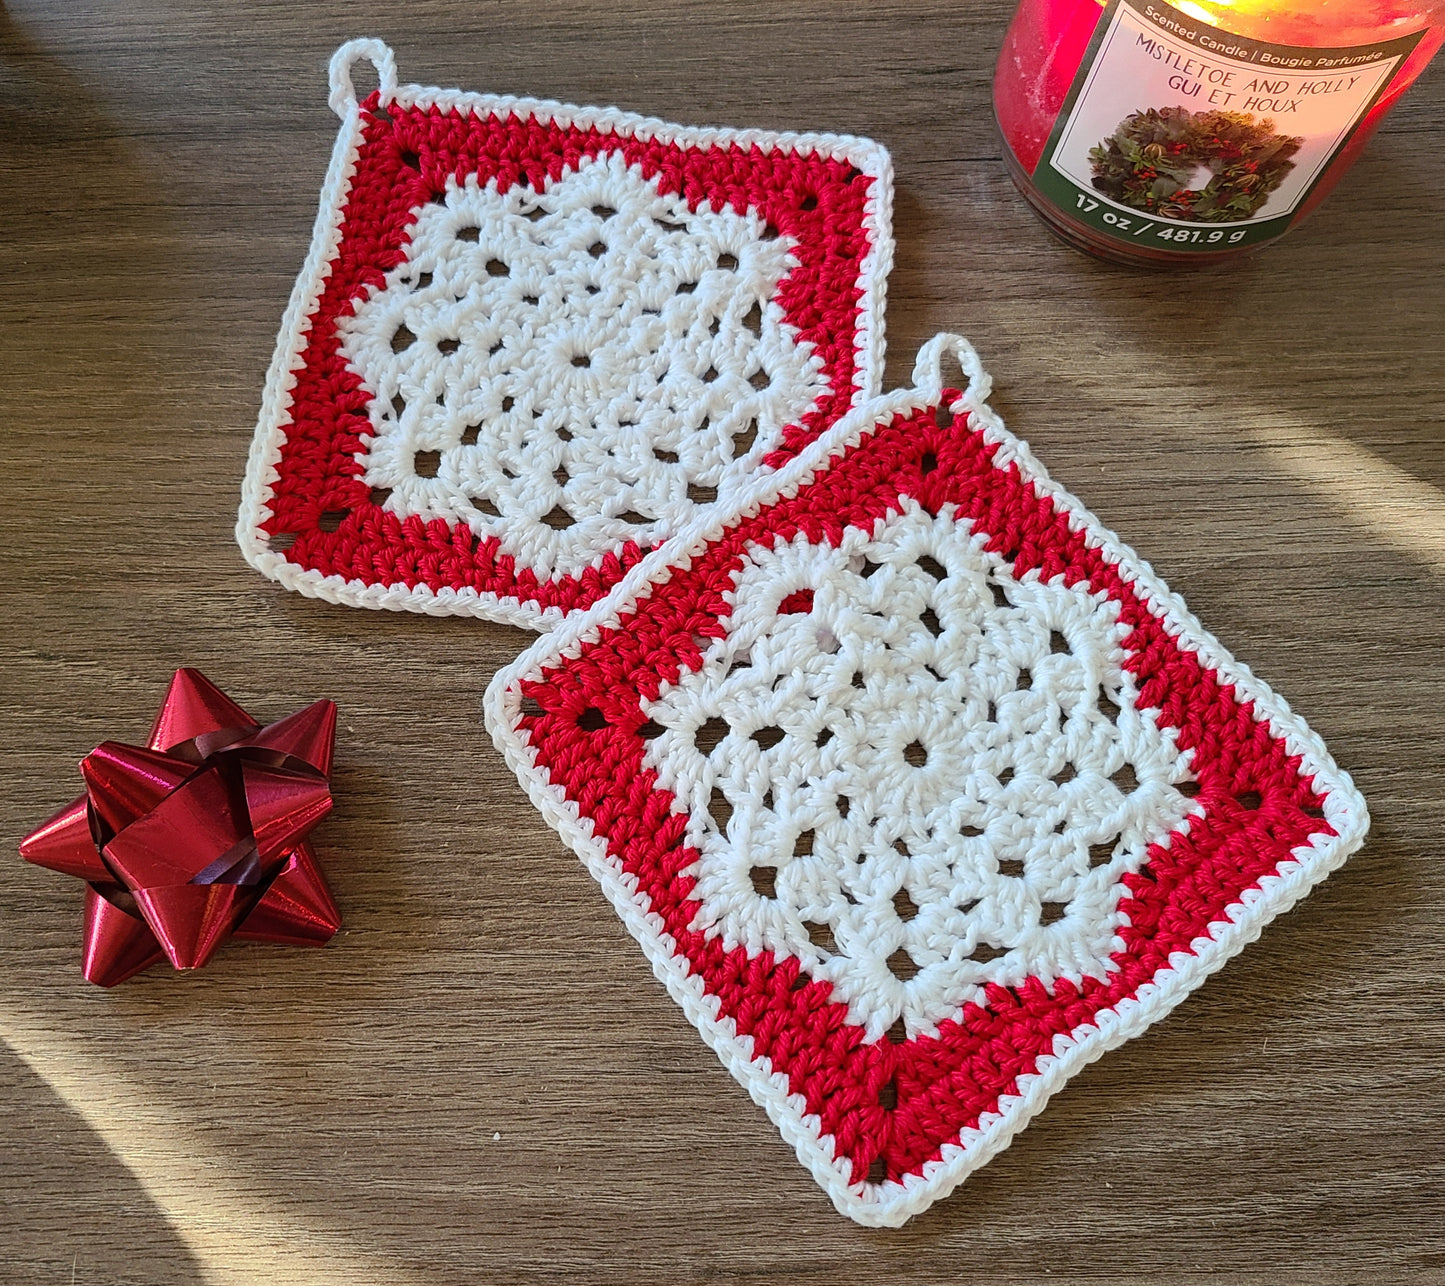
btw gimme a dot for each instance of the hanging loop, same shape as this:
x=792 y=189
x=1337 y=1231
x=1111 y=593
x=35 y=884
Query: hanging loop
x=928 y=369
x=378 y=54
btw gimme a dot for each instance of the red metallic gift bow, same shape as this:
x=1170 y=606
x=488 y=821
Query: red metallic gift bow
x=198 y=836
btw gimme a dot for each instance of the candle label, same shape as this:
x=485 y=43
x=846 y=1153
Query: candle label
x=1181 y=136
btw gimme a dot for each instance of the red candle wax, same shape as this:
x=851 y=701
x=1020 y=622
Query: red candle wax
x=1040 y=57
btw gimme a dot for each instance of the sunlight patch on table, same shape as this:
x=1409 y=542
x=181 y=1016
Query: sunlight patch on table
x=238 y=1235
x=1394 y=505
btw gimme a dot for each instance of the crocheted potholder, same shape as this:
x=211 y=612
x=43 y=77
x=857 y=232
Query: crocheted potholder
x=530 y=340
x=918 y=788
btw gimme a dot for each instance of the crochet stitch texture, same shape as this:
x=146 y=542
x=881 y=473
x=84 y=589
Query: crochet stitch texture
x=918 y=789
x=531 y=340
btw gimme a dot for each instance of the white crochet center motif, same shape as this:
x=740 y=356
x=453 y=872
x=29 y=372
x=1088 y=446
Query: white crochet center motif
x=570 y=369
x=931 y=777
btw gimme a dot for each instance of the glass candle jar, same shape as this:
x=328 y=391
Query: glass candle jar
x=1187 y=133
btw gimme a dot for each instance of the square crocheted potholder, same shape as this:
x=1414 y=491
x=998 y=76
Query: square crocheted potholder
x=918 y=788
x=531 y=340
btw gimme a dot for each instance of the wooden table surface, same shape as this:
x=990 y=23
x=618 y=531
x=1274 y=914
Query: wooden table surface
x=479 y=1081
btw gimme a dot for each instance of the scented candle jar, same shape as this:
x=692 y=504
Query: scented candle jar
x=1192 y=132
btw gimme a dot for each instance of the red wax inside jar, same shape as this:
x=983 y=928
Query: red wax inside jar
x=1040 y=57
x=1048 y=40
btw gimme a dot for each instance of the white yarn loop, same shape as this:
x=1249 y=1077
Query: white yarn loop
x=928 y=370
x=343 y=94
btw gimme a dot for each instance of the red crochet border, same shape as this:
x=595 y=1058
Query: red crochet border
x=406 y=156
x=944 y=1085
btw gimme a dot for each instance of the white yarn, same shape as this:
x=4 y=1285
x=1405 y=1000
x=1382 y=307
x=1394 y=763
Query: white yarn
x=596 y=354
x=932 y=728
x=342 y=99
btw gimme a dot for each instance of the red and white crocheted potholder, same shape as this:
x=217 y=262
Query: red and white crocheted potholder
x=918 y=788
x=531 y=340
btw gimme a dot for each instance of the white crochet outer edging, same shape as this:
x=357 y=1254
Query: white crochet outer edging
x=892 y=1203
x=275 y=415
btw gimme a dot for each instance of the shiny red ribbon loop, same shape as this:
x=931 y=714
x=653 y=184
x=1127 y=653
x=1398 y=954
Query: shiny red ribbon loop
x=198 y=836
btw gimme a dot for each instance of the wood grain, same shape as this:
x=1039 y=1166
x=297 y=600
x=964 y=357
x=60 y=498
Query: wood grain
x=479 y=1081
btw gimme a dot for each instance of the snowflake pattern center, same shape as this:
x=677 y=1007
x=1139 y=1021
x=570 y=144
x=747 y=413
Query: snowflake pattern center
x=915 y=773
x=576 y=367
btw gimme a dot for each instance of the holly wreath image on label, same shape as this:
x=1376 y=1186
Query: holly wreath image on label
x=1175 y=131
x=1151 y=161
